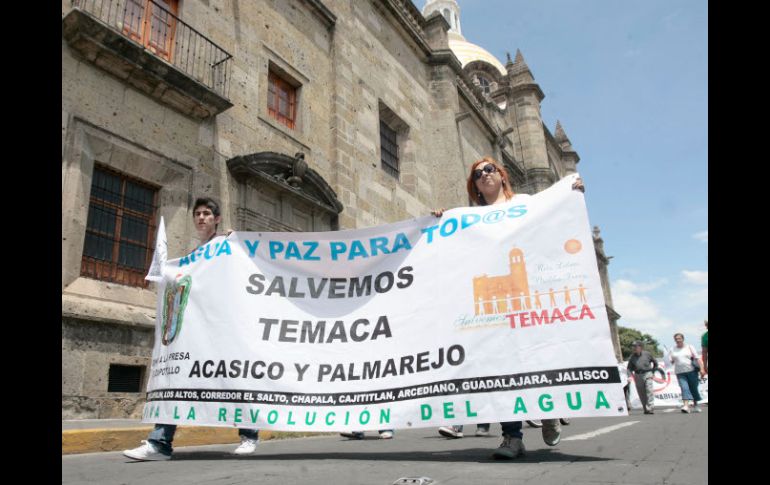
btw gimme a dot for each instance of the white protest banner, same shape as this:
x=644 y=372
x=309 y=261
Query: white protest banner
x=666 y=389
x=487 y=314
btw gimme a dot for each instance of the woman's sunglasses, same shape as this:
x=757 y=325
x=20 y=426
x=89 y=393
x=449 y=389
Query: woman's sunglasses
x=480 y=171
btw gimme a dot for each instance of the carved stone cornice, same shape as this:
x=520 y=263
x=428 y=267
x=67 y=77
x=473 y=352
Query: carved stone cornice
x=464 y=85
x=286 y=173
x=472 y=98
x=526 y=87
x=411 y=20
x=473 y=94
x=445 y=57
x=322 y=12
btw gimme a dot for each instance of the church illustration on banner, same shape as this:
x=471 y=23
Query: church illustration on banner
x=511 y=293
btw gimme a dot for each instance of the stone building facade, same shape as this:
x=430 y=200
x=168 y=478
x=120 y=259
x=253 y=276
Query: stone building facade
x=297 y=115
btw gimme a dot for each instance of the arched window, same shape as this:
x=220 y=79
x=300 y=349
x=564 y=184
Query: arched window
x=445 y=12
x=485 y=84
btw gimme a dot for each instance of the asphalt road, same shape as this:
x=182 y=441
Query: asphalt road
x=664 y=448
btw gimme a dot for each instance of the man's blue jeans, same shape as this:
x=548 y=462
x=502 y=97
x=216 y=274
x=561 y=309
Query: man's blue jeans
x=163 y=435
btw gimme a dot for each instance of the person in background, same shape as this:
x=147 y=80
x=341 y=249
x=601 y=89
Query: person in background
x=685 y=362
x=704 y=346
x=642 y=364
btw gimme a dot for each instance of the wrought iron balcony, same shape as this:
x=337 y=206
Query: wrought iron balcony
x=144 y=43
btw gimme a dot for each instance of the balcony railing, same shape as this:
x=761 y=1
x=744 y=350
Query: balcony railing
x=162 y=33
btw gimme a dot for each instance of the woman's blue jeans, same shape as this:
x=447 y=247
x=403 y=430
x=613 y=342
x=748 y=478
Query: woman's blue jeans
x=688 y=381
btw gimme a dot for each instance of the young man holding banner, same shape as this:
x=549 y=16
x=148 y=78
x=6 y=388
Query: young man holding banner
x=206 y=217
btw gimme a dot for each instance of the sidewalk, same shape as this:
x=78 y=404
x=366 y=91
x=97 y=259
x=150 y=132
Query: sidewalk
x=97 y=435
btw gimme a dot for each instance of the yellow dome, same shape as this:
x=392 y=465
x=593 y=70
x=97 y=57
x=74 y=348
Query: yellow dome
x=467 y=53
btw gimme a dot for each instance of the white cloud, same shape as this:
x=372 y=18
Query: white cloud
x=629 y=285
x=696 y=298
x=662 y=309
x=638 y=310
x=673 y=21
x=702 y=236
x=696 y=277
x=693 y=296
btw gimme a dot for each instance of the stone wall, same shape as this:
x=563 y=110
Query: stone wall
x=365 y=62
x=88 y=349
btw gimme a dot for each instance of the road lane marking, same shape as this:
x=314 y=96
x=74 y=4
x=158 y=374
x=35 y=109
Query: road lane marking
x=599 y=431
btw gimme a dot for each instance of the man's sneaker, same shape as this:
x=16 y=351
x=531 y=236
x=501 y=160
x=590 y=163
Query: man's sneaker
x=551 y=431
x=482 y=430
x=146 y=452
x=450 y=432
x=353 y=435
x=510 y=448
x=386 y=435
x=695 y=409
x=685 y=409
x=247 y=446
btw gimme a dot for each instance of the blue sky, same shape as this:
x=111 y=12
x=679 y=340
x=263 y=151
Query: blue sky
x=628 y=81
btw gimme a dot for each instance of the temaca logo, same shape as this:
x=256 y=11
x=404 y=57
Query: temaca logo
x=509 y=296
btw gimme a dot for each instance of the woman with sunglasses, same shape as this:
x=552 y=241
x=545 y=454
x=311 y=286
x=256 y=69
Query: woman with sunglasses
x=488 y=184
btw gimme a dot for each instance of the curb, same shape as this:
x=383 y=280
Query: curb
x=78 y=441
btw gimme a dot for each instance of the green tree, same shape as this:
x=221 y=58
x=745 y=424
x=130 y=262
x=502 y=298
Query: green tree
x=628 y=335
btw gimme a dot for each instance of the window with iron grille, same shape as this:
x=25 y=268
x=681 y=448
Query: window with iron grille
x=281 y=100
x=120 y=229
x=389 y=149
x=125 y=378
x=152 y=23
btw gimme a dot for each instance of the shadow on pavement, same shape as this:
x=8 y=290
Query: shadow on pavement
x=472 y=455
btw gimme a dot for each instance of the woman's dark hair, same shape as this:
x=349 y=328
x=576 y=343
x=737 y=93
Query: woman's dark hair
x=476 y=196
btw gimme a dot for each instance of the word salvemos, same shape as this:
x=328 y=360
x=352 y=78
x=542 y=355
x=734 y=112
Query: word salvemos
x=330 y=287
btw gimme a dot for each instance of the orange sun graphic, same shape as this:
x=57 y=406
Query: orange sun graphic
x=573 y=246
